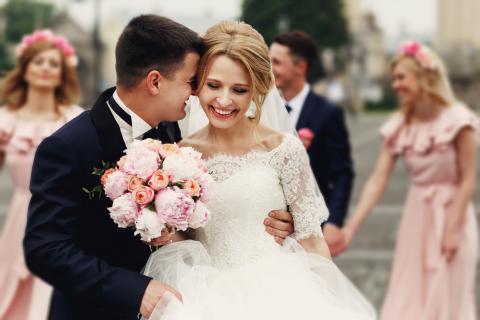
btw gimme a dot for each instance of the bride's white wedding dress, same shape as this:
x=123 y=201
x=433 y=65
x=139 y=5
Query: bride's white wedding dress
x=235 y=270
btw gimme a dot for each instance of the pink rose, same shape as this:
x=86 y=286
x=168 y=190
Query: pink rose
x=200 y=216
x=159 y=180
x=175 y=207
x=143 y=195
x=141 y=161
x=116 y=184
x=134 y=183
x=149 y=225
x=306 y=135
x=124 y=211
x=192 y=187
x=168 y=149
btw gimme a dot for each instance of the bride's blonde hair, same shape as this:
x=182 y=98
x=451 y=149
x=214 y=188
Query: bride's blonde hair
x=430 y=72
x=242 y=43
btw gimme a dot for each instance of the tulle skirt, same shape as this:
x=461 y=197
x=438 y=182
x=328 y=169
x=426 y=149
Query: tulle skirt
x=286 y=284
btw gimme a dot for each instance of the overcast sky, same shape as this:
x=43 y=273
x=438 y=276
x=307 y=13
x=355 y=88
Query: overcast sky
x=413 y=16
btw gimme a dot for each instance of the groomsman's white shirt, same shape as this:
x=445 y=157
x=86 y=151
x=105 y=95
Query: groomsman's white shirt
x=138 y=127
x=296 y=103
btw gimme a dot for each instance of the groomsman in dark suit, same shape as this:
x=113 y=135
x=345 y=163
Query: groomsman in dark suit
x=321 y=126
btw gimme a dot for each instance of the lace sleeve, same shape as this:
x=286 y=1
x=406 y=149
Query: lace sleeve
x=303 y=197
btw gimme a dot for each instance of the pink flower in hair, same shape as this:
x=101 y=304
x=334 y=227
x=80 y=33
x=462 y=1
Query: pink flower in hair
x=418 y=52
x=48 y=36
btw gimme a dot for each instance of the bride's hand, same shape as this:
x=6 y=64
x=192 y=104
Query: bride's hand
x=153 y=294
x=279 y=224
x=168 y=237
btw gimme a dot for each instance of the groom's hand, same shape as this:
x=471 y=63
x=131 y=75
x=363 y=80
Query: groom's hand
x=154 y=293
x=279 y=224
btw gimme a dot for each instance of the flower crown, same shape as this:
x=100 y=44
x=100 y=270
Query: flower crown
x=47 y=35
x=418 y=52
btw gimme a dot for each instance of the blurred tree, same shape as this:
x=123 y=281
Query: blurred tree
x=322 y=19
x=22 y=16
x=5 y=59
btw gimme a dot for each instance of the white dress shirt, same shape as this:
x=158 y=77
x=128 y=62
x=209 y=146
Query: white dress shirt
x=297 y=102
x=138 y=127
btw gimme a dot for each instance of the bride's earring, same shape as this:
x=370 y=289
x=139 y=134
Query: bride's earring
x=252 y=109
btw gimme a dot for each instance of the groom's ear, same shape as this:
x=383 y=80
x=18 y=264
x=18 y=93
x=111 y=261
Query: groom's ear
x=154 y=81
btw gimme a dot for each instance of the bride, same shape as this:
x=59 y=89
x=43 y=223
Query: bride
x=235 y=270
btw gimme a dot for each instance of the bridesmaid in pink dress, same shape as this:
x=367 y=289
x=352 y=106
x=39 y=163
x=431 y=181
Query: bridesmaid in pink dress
x=433 y=272
x=39 y=95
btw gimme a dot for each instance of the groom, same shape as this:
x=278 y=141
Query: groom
x=70 y=240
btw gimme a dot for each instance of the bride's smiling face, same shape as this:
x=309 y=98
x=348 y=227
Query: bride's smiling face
x=226 y=93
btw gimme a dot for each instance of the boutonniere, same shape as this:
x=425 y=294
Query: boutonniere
x=306 y=136
x=103 y=173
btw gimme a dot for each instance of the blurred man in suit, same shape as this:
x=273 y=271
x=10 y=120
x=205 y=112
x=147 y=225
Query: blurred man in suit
x=321 y=127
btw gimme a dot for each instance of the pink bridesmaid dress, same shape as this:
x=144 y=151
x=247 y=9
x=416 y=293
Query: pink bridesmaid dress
x=423 y=285
x=22 y=296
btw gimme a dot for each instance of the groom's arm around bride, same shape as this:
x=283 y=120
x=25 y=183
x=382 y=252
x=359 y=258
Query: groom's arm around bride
x=70 y=240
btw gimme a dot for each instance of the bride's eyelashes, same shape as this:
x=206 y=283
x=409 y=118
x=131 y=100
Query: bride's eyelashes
x=238 y=90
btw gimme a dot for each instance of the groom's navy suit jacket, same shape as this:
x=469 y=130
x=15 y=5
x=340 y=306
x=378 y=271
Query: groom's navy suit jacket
x=329 y=153
x=70 y=240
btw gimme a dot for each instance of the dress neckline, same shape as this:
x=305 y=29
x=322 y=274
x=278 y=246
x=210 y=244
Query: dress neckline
x=246 y=155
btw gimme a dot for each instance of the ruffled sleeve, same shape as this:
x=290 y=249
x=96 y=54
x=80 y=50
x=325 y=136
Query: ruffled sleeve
x=7 y=126
x=454 y=119
x=421 y=138
x=304 y=200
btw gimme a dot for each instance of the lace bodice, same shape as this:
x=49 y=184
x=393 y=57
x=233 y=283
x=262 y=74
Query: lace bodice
x=252 y=185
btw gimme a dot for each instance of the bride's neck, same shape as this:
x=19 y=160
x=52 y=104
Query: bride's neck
x=235 y=139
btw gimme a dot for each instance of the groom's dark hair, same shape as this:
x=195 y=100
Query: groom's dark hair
x=151 y=42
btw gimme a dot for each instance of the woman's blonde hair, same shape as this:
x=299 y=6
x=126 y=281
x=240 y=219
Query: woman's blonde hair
x=431 y=74
x=242 y=43
x=13 y=90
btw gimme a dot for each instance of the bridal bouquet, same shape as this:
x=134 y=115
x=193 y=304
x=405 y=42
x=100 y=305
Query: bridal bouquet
x=156 y=186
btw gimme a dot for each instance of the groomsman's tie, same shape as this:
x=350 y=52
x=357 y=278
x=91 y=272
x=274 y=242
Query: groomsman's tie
x=161 y=133
x=289 y=109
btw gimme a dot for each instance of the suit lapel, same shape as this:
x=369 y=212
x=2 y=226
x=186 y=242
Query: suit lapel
x=307 y=111
x=108 y=131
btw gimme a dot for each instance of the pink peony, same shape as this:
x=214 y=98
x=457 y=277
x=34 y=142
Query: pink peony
x=116 y=184
x=121 y=163
x=152 y=144
x=200 y=216
x=141 y=161
x=175 y=207
x=190 y=152
x=124 y=211
x=159 y=180
x=149 y=225
x=207 y=185
x=143 y=195
x=180 y=167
